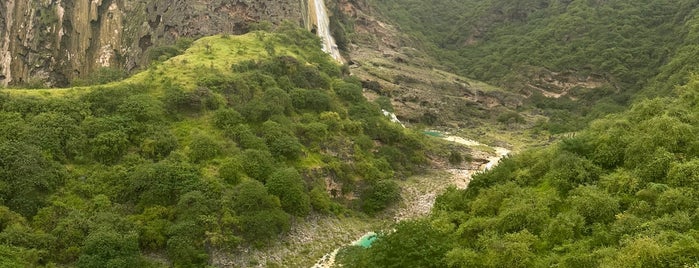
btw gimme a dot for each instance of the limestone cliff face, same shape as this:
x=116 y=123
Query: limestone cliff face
x=55 y=41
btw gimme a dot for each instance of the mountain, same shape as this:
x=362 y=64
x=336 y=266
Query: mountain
x=54 y=42
x=221 y=133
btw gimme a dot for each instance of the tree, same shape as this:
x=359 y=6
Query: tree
x=413 y=244
x=161 y=183
x=509 y=250
x=57 y=134
x=288 y=185
x=349 y=92
x=231 y=171
x=27 y=178
x=203 y=148
x=320 y=199
x=281 y=142
x=225 y=118
x=185 y=244
x=595 y=205
x=110 y=249
x=379 y=195
x=109 y=147
x=312 y=100
x=684 y=174
x=142 y=108
x=258 y=164
x=261 y=214
x=158 y=144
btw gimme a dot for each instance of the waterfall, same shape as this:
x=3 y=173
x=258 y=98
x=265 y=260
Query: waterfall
x=322 y=23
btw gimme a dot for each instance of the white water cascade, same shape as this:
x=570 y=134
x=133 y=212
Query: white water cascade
x=322 y=23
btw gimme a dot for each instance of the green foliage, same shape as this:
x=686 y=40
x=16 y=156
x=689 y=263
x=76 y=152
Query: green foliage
x=630 y=47
x=413 y=244
x=158 y=144
x=312 y=100
x=164 y=52
x=177 y=99
x=27 y=177
x=226 y=118
x=183 y=161
x=161 y=183
x=110 y=249
x=258 y=164
x=320 y=200
x=109 y=147
x=619 y=194
x=231 y=171
x=203 y=147
x=262 y=217
x=289 y=187
x=379 y=195
x=349 y=92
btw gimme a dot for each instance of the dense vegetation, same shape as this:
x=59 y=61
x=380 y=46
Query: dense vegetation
x=222 y=147
x=622 y=193
x=525 y=45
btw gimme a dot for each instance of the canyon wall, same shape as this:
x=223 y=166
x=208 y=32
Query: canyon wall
x=55 y=41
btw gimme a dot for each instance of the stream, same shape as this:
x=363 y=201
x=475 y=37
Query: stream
x=460 y=179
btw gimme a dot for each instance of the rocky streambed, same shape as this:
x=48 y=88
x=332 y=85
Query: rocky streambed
x=419 y=194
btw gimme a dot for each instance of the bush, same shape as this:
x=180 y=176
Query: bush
x=158 y=144
x=231 y=171
x=258 y=164
x=379 y=195
x=349 y=92
x=110 y=249
x=109 y=147
x=203 y=148
x=320 y=199
x=225 y=118
x=289 y=187
x=312 y=100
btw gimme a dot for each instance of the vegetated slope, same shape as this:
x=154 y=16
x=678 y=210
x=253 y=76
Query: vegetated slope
x=222 y=147
x=594 y=55
x=621 y=193
x=422 y=93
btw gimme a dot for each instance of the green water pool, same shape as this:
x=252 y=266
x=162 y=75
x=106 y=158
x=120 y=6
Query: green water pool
x=366 y=240
x=433 y=133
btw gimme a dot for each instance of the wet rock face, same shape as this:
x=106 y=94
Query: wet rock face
x=55 y=41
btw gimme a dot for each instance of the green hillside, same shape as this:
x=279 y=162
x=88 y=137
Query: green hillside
x=621 y=192
x=595 y=55
x=220 y=148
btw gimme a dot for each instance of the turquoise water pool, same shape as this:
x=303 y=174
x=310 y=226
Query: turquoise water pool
x=433 y=134
x=367 y=240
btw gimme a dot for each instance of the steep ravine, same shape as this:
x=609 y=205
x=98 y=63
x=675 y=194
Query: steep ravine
x=419 y=195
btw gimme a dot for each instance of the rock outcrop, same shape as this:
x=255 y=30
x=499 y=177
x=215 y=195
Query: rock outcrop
x=55 y=41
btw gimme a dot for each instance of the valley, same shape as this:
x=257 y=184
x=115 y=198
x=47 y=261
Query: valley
x=349 y=133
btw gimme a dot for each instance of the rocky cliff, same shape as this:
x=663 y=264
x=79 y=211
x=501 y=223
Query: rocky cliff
x=55 y=41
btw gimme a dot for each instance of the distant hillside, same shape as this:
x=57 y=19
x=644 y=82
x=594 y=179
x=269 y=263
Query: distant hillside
x=594 y=56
